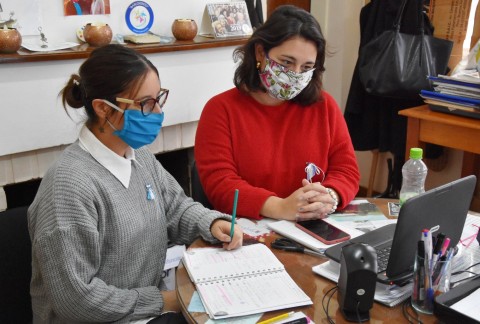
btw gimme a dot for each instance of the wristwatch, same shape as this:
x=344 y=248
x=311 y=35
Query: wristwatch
x=334 y=196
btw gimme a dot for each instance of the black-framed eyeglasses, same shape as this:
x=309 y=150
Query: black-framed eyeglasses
x=148 y=105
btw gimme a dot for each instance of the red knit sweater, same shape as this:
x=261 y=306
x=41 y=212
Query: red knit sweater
x=262 y=150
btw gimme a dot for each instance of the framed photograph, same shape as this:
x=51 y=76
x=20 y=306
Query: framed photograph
x=228 y=19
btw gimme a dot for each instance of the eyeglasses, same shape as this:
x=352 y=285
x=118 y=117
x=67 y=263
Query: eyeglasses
x=148 y=105
x=469 y=239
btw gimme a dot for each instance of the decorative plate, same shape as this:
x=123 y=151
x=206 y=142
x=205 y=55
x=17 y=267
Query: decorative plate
x=139 y=17
x=80 y=34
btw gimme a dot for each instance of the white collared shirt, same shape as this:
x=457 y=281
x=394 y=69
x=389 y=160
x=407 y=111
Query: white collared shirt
x=120 y=167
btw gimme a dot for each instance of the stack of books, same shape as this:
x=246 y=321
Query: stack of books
x=456 y=95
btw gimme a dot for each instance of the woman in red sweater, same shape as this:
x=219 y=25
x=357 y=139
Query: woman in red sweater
x=259 y=136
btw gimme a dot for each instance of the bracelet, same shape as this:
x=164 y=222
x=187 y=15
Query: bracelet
x=334 y=196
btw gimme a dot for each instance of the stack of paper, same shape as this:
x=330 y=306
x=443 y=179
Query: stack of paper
x=454 y=93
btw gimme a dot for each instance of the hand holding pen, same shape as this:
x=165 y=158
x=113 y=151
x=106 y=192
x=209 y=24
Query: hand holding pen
x=221 y=230
x=227 y=232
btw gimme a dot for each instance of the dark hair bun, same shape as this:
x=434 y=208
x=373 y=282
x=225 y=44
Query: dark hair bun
x=72 y=93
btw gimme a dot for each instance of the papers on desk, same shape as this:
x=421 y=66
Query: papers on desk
x=255 y=229
x=361 y=215
x=360 y=209
x=241 y=282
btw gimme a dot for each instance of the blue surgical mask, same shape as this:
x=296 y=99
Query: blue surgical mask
x=138 y=130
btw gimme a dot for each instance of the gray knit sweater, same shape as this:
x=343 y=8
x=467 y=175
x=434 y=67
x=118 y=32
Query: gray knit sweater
x=98 y=248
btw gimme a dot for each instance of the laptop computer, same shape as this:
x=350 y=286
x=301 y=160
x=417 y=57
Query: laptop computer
x=442 y=209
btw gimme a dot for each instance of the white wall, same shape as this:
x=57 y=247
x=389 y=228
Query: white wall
x=33 y=126
x=340 y=26
x=32 y=117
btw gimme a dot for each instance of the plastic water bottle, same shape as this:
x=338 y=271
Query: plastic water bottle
x=414 y=173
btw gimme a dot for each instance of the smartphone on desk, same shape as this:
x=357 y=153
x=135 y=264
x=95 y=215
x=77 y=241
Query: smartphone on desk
x=323 y=231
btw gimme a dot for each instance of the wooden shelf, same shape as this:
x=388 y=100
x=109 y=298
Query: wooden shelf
x=82 y=51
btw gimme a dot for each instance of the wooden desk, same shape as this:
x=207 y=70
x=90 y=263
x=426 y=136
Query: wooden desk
x=299 y=267
x=461 y=133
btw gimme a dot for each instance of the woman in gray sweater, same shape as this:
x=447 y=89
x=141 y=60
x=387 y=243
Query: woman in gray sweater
x=106 y=210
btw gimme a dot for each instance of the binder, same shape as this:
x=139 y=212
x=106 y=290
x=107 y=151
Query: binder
x=426 y=94
x=458 y=82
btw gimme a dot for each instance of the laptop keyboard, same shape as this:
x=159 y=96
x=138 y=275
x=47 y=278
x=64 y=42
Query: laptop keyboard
x=382 y=257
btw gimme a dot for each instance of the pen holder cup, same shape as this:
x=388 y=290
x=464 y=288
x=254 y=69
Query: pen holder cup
x=429 y=283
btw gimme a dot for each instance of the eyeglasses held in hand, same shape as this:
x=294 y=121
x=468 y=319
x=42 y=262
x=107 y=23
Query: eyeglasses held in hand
x=148 y=105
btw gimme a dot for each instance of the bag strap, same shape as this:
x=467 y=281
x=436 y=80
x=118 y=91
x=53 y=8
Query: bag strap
x=398 y=19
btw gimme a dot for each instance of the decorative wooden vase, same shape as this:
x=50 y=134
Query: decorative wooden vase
x=10 y=40
x=184 y=29
x=97 y=34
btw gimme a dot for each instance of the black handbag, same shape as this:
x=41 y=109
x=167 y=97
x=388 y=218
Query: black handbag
x=395 y=64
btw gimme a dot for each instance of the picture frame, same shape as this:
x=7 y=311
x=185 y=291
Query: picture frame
x=226 y=19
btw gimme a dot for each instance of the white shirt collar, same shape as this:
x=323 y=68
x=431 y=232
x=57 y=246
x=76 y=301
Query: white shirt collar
x=120 y=167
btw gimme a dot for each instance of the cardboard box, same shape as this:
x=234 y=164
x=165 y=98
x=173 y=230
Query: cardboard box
x=450 y=19
x=476 y=28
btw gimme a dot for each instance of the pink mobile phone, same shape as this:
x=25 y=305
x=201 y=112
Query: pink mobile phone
x=323 y=231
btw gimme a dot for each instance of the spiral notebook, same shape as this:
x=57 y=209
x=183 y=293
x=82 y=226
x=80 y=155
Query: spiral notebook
x=244 y=281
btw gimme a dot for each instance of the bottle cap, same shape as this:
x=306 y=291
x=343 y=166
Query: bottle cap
x=416 y=153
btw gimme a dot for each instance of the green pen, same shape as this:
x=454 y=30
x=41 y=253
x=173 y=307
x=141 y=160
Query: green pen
x=234 y=213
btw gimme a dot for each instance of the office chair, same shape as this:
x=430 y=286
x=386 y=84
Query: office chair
x=197 y=190
x=15 y=267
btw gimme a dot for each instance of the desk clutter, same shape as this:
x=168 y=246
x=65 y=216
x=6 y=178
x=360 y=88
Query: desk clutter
x=456 y=277
x=216 y=272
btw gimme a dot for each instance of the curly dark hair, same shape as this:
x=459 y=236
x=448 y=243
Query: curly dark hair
x=284 y=23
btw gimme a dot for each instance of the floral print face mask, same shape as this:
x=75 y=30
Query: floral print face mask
x=281 y=83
